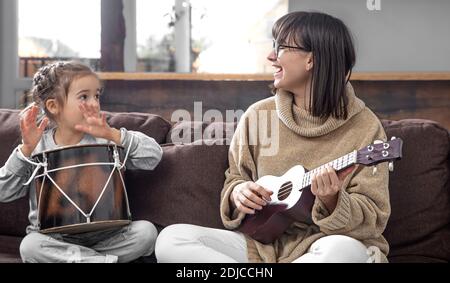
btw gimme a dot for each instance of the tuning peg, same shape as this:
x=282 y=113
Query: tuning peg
x=374 y=170
x=391 y=166
x=370 y=148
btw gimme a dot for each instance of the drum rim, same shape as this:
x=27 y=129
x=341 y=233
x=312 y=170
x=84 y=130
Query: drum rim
x=77 y=146
x=58 y=229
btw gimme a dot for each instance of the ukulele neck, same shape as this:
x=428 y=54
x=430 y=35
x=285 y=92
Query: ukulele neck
x=338 y=165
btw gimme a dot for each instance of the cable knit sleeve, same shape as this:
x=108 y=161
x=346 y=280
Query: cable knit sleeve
x=363 y=207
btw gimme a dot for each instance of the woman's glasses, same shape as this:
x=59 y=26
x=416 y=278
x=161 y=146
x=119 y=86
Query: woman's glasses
x=278 y=47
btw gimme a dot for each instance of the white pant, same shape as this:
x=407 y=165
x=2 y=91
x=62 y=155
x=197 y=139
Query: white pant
x=190 y=243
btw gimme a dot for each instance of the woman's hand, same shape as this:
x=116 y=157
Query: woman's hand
x=31 y=133
x=326 y=185
x=248 y=196
x=97 y=125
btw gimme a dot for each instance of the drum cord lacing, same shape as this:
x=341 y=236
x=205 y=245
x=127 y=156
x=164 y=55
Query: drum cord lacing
x=117 y=165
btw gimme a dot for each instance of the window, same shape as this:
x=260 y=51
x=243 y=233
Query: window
x=155 y=36
x=232 y=36
x=47 y=32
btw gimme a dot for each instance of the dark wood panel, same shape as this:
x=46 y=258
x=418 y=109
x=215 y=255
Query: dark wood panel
x=407 y=99
x=164 y=97
x=388 y=99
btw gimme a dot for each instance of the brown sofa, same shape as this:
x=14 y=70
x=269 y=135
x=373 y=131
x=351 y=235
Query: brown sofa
x=186 y=185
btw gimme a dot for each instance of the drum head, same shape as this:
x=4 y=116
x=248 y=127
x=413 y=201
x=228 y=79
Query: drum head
x=86 y=227
x=80 y=181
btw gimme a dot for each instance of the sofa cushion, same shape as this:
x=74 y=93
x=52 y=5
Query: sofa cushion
x=184 y=188
x=15 y=217
x=9 y=249
x=9 y=133
x=152 y=125
x=419 y=192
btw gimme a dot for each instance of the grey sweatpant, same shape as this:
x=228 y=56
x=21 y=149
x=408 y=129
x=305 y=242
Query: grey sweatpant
x=119 y=245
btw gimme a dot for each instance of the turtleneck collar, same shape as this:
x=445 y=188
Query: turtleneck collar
x=304 y=124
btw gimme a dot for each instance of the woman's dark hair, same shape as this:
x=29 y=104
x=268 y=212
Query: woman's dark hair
x=333 y=53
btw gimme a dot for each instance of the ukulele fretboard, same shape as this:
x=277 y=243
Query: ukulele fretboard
x=337 y=164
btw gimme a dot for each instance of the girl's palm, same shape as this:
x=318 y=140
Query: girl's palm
x=96 y=124
x=31 y=133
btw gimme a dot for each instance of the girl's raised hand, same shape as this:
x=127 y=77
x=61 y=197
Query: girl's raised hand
x=31 y=132
x=96 y=124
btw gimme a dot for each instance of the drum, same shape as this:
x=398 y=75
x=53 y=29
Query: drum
x=81 y=189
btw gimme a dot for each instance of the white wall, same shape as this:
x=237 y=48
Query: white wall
x=405 y=35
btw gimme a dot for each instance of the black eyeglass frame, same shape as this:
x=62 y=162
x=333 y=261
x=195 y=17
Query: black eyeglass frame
x=276 y=47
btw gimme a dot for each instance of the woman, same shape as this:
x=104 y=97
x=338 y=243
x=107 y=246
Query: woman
x=320 y=119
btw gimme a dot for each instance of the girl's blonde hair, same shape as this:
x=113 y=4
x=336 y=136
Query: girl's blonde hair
x=53 y=81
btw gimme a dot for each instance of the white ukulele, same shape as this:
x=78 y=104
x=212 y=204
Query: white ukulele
x=292 y=199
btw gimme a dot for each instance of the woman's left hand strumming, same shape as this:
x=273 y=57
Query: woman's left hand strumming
x=96 y=124
x=326 y=185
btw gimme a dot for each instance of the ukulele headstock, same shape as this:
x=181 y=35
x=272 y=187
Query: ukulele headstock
x=376 y=153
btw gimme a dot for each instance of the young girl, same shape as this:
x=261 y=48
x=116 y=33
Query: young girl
x=69 y=94
x=320 y=119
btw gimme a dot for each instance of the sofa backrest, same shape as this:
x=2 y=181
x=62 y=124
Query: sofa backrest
x=184 y=188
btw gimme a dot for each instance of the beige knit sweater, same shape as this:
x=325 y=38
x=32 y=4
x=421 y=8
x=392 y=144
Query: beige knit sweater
x=363 y=207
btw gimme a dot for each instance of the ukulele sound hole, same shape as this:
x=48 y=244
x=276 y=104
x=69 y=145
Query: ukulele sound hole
x=285 y=190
